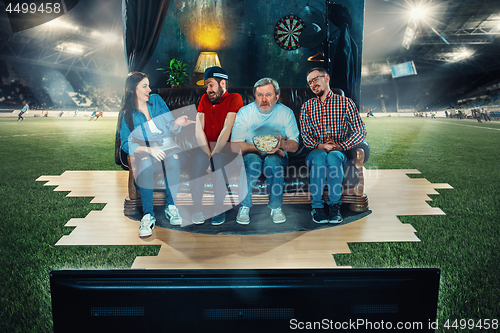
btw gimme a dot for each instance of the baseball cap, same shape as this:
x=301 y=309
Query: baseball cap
x=215 y=72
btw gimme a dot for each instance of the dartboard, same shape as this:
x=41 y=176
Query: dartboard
x=287 y=31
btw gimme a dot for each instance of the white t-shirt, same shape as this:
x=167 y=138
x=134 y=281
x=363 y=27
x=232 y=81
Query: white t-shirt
x=250 y=122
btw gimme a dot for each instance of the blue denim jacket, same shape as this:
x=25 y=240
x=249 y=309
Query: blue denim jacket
x=161 y=116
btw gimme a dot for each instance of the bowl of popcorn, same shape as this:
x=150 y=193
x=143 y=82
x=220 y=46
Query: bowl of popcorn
x=265 y=143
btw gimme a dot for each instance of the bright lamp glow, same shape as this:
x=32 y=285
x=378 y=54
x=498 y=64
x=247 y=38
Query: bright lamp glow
x=72 y=48
x=461 y=54
x=110 y=37
x=418 y=13
x=107 y=37
x=58 y=24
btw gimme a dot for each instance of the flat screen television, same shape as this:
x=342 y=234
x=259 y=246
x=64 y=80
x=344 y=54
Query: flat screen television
x=244 y=300
x=403 y=69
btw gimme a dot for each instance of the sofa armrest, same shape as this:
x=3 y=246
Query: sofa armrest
x=132 y=191
x=351 y=153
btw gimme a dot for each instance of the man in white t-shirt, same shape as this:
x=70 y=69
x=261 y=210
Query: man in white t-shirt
x=265 y=117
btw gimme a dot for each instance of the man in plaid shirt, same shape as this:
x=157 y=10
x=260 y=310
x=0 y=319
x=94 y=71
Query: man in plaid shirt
x=331 y=125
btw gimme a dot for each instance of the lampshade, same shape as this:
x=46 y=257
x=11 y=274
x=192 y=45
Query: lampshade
x=205 y=60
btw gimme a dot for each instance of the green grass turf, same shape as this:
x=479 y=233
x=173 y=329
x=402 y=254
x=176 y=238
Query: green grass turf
x=463 y=243
x=33 y=215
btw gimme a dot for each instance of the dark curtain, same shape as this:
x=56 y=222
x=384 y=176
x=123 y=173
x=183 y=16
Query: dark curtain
x=343 y=69
x=142 y=24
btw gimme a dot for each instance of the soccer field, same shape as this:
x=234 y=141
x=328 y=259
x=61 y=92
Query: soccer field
x=464 y=243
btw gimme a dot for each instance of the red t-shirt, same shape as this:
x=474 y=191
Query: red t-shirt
x=215 y=114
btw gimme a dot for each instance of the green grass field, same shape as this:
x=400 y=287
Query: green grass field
x=464 y=243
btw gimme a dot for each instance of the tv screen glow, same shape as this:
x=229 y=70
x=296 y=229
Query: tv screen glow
x=403 y=69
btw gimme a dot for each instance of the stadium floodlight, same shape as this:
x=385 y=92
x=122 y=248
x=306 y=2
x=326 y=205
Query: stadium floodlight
x=461 y=54
x=110 y=38
x=58 y=24
x=418 y=13
x=411 y=32
x=68 y=47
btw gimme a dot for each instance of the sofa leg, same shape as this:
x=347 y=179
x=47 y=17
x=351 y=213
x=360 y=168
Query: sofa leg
x=132 y=207
x=360 y=204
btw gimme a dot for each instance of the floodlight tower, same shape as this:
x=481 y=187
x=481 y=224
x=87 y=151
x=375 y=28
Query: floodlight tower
x=417 y=13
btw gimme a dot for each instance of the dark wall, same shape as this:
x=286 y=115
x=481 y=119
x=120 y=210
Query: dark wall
x=242 y=33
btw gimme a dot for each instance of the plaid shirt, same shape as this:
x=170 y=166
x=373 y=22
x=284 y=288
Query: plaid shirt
x=337 y=112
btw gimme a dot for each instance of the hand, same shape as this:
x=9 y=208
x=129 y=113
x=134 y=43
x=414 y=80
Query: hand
x=184 y=121
x=328 y=147
x=209 y=169
x=277 y=149
x=157 y=153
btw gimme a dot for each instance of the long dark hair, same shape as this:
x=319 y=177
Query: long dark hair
x=128 y=100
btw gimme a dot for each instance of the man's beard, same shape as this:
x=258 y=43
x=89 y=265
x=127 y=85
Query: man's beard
x=268 y=111
x=215 y=96
x=319 y=92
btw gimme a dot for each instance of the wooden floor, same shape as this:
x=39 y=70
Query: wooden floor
x=391 y=193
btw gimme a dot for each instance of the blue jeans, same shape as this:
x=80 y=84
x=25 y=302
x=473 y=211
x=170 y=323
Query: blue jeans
x=273 y=167
x=325 y=169
x=199 y=165
x=148 y=167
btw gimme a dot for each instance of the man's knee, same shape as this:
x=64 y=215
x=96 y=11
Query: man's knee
x=316 y=157
x=252 y=160
x=253 y=163
x=221 y=160
x=198 y=163
x=336 y=157
x=275 y=160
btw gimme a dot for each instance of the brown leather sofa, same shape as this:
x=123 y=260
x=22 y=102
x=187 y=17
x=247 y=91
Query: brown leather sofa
x=296 y=176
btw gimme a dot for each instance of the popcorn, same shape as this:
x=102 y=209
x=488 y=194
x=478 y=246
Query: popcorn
x=265 y=143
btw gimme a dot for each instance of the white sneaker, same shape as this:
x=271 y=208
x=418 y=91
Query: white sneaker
x=172 y=213
x=277 y=215
x=243 y=216
x=147 y=225
x=198 y=218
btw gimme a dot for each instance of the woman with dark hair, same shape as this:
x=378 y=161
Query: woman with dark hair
x=146 y=133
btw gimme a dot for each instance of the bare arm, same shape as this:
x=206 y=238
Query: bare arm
x=225 y=133
x=288 y=145
x=284 y=145
x=246 y=148
x=201 y=138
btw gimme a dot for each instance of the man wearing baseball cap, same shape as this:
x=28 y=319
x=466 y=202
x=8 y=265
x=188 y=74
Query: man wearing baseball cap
x=216 y=113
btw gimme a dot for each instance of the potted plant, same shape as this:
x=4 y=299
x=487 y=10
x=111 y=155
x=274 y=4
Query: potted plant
x=176 y=73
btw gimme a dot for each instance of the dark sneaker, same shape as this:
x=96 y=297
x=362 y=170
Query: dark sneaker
x=219 y=219
x=334 y=215
x=318 y=215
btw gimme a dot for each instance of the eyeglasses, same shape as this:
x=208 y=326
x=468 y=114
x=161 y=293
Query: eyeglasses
x=314 y=80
